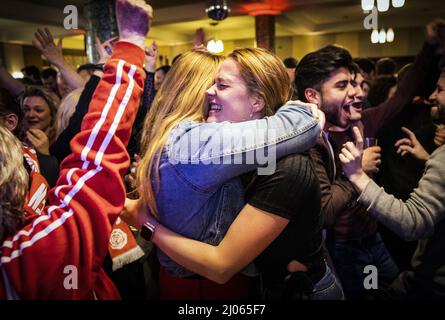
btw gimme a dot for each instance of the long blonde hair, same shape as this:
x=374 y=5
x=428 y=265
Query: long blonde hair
x=180 y=97
x=66 y=109
x=265 y=76
x=13 y=183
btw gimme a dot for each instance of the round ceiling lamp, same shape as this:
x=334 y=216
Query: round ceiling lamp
x=217 y=10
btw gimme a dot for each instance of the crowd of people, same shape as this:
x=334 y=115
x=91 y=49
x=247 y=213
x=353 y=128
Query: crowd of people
x=237 y=177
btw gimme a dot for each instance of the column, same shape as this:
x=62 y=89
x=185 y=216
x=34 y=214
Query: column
x=101 y=23
x=265 y=32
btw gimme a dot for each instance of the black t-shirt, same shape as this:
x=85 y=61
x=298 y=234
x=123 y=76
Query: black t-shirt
x=292 y=192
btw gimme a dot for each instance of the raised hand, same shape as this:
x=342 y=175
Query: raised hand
x=105 y=48
x=351 y=160
x=151 y=55
x=412 y=146
x=133 y=20
x=44 y=42
x=351 y=155
x=39 y=140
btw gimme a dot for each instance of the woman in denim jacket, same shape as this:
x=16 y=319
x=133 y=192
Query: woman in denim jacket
x=189 y=174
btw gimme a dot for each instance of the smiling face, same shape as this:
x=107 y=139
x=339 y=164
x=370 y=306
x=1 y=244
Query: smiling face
x=229 y=98
x=438 y=98
x=37 y=112
x=336 y=97
x=358 y=83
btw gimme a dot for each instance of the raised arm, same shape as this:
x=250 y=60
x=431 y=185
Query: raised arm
x=414 y=218
x=14 y=86
x=44 y=42
x=75 y=229
x=376 y=118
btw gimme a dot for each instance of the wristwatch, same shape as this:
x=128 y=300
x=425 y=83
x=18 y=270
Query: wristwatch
x=148 y=229
x=99 y=66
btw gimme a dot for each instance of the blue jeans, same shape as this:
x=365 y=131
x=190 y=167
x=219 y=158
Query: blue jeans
x=327 y=288
x=352 y=256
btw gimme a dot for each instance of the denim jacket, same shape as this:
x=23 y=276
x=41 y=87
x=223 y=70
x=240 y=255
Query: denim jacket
x=199 y=193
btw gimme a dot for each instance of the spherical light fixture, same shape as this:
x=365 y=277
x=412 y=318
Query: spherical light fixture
x=217 y=10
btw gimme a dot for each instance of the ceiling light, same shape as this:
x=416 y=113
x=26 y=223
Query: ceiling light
x=217 y=10
x=367 y=5
x=375 y=36
x=17 y=75
x=215 y=46
x=382 y=36
x=398 y=3
x=390 y=35
x=382 y=5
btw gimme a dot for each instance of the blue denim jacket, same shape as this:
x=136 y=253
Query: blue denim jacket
x=199 y=193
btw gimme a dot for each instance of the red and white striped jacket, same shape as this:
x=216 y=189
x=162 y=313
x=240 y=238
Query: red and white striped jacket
x=59 y=255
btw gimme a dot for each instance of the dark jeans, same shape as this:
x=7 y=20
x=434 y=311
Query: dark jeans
x=327 y=288
x=352 y=256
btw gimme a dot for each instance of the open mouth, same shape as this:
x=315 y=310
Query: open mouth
x=347 y=109
x=358 y=105
x=215 y=107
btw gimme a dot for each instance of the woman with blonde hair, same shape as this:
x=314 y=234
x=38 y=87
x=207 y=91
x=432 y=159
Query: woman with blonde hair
x=13 y=182
x=189 y=174
x=66 y=109
x=40 y=109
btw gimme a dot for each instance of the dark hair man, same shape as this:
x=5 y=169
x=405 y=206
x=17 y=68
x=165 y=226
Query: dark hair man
x=324 y=77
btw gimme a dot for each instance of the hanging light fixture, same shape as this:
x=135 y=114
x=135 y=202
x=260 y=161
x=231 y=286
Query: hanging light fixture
x=398 y=3
x=382 y=5
x=390 y=35
x=382 y=36
x=367 y=5
x=375 y=36
x=217 y=10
